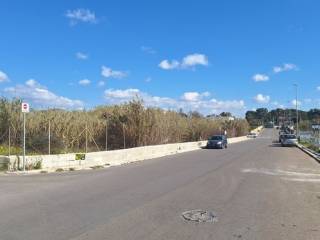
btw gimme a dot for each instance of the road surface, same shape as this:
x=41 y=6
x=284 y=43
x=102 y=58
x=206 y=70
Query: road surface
x=256 y=189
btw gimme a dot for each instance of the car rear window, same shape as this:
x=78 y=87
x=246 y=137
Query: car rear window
x=291 y=136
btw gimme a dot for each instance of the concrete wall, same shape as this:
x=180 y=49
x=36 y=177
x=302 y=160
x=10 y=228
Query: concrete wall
x=257 y=130
x=116 y=157
x=4 y=163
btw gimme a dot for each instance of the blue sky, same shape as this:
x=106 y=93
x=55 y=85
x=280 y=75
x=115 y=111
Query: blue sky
x=209 y=56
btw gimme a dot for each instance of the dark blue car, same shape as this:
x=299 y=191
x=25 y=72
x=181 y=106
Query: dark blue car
x=217 y=141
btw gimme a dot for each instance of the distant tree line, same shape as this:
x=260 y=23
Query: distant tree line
x=262 y=115
x=128 y=125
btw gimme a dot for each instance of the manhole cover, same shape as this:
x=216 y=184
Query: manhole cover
x=199 y=215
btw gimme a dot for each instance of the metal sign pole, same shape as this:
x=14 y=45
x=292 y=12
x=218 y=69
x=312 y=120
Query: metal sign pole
x=24 y=109
x=24 y=142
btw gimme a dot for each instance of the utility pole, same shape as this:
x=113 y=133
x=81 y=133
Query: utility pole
x=297 y=115
x=49 y=138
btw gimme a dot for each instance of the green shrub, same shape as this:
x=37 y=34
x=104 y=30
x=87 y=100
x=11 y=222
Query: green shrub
x=310 y=146
x=37 y=165
x=4 y=150
x=34 y=166
x=80 y=156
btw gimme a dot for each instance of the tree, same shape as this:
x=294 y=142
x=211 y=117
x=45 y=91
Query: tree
x=225 y=114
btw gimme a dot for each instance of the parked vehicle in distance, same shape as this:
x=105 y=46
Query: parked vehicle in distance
x=269 y=125
x=252 y=135
x=281 y=136
x=217 y=141
x=281 y=132
x=289 y=140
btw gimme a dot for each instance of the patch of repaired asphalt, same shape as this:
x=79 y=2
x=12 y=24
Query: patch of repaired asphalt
x=199 y=216
x=286 y=175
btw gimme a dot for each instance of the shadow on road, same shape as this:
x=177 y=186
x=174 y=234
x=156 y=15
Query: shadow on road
x=279 y=145
x=275 y=144
x=206 y=148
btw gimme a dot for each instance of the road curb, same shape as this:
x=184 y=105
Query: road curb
x=311 y=153
x=46 y=171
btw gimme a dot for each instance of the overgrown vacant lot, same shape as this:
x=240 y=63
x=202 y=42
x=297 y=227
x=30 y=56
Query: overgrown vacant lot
x=132 y=123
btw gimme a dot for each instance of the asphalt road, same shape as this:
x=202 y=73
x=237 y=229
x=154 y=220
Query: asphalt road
x=256 y=189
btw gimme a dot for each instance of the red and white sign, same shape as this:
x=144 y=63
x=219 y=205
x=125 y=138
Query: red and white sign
x=25 y=108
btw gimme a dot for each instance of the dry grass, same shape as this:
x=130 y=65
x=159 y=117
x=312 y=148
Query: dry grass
x=140 y=125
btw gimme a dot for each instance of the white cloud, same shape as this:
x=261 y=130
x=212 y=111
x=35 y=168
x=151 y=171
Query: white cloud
x=293 y=102
x=40 y=96
x=101 y=83
x=81 y=56
x=260 y=77
x=189 y=101
x=125 y=95
x=191 y=96
x=148 y=50
x=167 y=65
x=318 y=88
x=285 y=67
x=262 y=98
x=109 y=73
x=31 y=83
x=81 y=15
x=84 y=82
x=194 y=96
x=188 y=61
x=206 y=94
x=3 y=77
x=227 y=105
x=277 y=104
x=194 y=59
